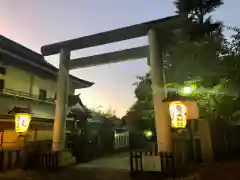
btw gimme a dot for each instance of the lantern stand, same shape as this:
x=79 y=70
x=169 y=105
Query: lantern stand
x=22 y=122
x=186 y=108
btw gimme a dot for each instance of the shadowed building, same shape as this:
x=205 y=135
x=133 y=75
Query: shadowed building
x=28 y=81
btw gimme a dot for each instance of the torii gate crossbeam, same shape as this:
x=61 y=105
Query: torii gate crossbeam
x=112 y=36
x=108 y=58
x=154 y=51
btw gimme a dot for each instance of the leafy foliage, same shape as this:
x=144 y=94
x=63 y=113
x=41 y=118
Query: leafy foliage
x=108 y=113
x=198 y=22
x=205 y=59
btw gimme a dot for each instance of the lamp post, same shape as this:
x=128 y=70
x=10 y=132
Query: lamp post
x=22 y=119
x=187 y=90
x=183 y=109
x=22 y=122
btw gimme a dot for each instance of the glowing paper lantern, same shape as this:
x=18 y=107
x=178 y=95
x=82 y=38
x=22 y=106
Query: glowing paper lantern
x=22 y=121
x=178 y=113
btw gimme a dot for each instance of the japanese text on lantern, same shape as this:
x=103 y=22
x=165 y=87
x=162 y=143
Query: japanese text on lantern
x=178 y=113
x=22 y=121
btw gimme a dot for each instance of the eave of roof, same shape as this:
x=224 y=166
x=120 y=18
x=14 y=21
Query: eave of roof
x=16 y=48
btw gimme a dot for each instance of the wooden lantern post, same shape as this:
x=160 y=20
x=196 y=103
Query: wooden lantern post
x=183 y=109
x=22 y=122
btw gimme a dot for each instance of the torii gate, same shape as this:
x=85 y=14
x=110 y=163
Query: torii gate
x=157 y=45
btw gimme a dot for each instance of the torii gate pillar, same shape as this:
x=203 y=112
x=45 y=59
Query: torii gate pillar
x=162 y=120
x=61 y=102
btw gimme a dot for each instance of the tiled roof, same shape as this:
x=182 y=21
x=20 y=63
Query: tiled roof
x=16 y=48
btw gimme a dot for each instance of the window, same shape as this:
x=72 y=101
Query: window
x=2 y=70
x=1 y=84
x=42 y=94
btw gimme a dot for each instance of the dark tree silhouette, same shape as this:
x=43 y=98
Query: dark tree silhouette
x=198 y=19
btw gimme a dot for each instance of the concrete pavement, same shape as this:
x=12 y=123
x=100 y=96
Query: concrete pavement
x=115 y=168
x=117 y=161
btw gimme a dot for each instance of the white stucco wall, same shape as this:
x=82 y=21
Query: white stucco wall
x=45 y=84
x=39 y=109
x=17 y=79
x=20 y=80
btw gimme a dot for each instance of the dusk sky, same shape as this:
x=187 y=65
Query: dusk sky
x=34 y=23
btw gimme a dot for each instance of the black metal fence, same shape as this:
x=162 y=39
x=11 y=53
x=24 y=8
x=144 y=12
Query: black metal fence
x=9 y=159
x=36 y=154
x=151 y=163
x=49 y=160
x=166 y=169
x=166 y=161
x=136 y=163
x=225 y=141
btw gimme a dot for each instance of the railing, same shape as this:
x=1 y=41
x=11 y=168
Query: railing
x=11 y=92
x=166 y=161
x=9 y=159
x=36 y=154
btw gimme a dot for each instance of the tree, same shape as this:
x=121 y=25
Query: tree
x=140 y=115
x=198 y=52
x=106 y=113
x=217 y=92
x=198 y=22
x=205 y=59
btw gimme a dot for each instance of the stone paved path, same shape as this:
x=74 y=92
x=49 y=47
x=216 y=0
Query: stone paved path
x=69 y=174
x=118 y=161
x=115 y=167
x=228 y=170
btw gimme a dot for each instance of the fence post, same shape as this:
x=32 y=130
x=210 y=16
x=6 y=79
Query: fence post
x=2 y=134
x=167 y=162
x=131 y=161
x=193 y=140
x=17 y=156
x=206 y=141
x=9 y=165
x=1 y=159
x=141 y=162
x=136 y=161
